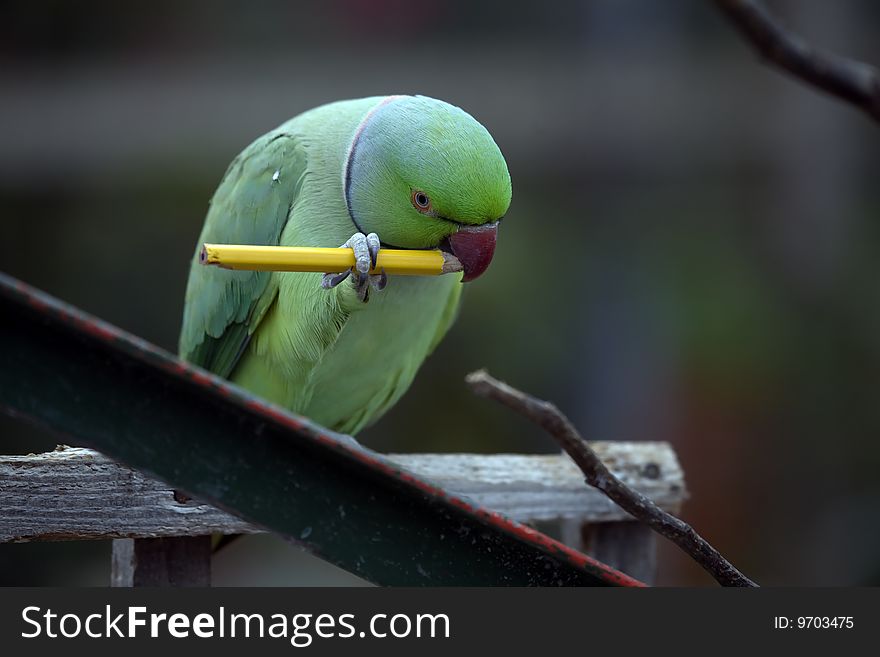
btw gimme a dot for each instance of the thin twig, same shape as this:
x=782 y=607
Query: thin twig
x=853 y=81
x=551 y=419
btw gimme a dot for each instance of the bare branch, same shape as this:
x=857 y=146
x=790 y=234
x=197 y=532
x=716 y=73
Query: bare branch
x=855 y=82
x=551 y=419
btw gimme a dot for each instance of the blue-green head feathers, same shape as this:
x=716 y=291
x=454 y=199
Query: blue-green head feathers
x=419 y=168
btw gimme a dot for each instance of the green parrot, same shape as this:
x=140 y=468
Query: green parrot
x=395 y=171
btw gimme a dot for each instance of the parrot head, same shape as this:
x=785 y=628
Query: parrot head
x=421 y=174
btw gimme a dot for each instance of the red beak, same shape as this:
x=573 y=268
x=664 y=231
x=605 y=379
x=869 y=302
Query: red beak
x=474 y=247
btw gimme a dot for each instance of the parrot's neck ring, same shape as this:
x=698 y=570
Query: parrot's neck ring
x=352 y=149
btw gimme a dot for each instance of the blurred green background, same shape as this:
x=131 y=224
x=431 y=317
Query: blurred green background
x=691 y=254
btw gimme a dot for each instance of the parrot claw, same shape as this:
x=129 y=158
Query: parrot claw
x=366 y=253
x=332 y=280
x=373 y=244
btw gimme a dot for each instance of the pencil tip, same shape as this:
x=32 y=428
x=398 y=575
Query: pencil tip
x=451 y=264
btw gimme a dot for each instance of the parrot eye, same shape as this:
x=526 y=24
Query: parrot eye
x=420 y=201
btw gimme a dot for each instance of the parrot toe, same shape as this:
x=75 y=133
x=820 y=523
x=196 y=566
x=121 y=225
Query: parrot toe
x=362 y=287
x=366 y=253
x=360 y=244
x=332 y=280
x=373 y=244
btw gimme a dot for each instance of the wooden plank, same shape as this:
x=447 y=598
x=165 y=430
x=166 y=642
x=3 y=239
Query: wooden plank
x=169 y=561
x=539 y=487
x=75 y=493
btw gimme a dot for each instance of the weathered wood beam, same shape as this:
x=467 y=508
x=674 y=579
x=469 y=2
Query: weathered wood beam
x=76 y=494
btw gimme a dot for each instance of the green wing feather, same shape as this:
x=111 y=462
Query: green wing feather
x=251 y=206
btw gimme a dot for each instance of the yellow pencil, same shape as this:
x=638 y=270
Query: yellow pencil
x=399 y=262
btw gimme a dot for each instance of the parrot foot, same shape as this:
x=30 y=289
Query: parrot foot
x=366 y=250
